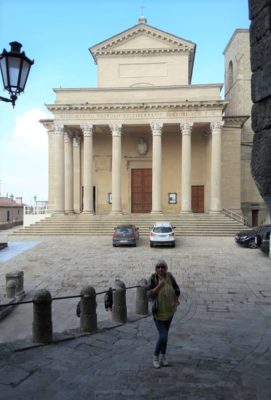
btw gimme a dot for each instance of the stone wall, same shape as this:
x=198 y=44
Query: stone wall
x=260 y=51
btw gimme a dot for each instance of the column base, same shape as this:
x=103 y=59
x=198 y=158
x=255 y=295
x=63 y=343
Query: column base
x=116 y=213
x=88 y=212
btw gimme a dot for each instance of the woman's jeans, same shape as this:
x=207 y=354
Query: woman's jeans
x=163 y=328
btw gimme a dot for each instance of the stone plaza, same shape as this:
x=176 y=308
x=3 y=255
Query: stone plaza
x=219 y=344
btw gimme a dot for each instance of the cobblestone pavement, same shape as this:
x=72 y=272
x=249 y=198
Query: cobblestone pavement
x=219 y=345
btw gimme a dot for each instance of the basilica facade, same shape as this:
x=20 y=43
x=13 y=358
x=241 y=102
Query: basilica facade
x=147 y=140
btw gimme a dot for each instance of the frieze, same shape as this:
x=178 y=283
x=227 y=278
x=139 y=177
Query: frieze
x=138 y=115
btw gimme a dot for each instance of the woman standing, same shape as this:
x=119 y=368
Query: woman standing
x=164 y=293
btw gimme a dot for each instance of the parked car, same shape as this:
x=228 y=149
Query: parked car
x=247 y=238
x=125 y=235
x=265 y=243
x=261 y=233
x=252 y=238
x=162 y=234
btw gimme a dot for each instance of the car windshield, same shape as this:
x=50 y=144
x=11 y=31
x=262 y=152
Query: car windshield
x=124 y=231
x=162 y=229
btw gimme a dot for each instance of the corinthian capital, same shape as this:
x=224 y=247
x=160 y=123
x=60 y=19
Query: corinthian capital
x=58 y=128
x=87 y=130
x=186 y=127
x=116 y=129
x=216 y=127
x=156 y=128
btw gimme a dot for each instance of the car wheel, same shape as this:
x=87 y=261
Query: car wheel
x=173 y=244
x=151 y=244
x=252 y=244
x=114 y=245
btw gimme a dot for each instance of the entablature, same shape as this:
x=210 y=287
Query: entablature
x=144 y=114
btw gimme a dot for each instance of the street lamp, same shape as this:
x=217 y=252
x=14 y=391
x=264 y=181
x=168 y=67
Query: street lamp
x=15 y=67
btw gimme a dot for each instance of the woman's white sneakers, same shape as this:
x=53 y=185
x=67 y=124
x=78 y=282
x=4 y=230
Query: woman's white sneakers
x=163 y=360
x=157 y=362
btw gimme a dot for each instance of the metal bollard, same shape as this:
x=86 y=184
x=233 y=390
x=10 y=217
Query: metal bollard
x=18 y=277
x=88 y=316
x=119 y=310
x=11 y=289
x=142 y=304
x=42 y=327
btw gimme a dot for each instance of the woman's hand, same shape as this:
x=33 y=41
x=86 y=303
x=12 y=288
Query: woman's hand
x=161 y=283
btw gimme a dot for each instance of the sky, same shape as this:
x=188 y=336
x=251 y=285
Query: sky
x=57 y=35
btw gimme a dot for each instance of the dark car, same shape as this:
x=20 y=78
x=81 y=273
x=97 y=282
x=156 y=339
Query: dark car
x=247 y=238
x=125 y=235
x=265 y=243
x=252 y=238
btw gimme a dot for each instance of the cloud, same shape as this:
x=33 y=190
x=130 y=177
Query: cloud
x=24 y=158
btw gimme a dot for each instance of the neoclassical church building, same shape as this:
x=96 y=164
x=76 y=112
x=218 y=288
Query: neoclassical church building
x=147 y=140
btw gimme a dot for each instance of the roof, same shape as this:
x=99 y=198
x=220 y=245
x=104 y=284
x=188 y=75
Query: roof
x=8 y=202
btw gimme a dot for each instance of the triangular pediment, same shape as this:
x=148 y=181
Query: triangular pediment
x=142 y=38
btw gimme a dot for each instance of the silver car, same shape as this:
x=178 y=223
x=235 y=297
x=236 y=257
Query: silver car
x=162 y=234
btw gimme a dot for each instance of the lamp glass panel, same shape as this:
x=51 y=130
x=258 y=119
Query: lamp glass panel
x=14 y=70
x=24 y=74
x=3 y=66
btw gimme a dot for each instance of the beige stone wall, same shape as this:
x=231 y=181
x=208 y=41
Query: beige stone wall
x=143 y=71
x=16 y=215
x=230 y=177
x=238 y=93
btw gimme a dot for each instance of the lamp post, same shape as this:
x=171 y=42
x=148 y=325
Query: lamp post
x=15 y=67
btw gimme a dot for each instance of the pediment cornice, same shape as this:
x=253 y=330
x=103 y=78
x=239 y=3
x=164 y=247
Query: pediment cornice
x=169 y=43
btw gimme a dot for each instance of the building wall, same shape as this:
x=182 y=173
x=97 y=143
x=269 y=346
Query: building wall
x=143 y=71
x=238 y=94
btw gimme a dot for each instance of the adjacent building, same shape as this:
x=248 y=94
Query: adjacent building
x=11 y=212
x=147 y=140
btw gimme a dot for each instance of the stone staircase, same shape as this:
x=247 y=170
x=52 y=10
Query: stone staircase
x=94 y=225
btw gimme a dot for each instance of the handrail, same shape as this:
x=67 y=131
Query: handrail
x=237 y=217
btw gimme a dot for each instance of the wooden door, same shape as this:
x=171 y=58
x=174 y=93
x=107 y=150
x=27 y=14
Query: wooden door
x=255 y=217
x=141 y=190
x=197 y=199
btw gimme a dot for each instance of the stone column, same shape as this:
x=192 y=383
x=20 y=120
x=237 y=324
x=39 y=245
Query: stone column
x=156 y=167
x=77 y=174
x=49 y=125
x=116 y=168
x=68 y=142
x=88 y=155
x=215 y=203
x=186 y=128
x=59 y=168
